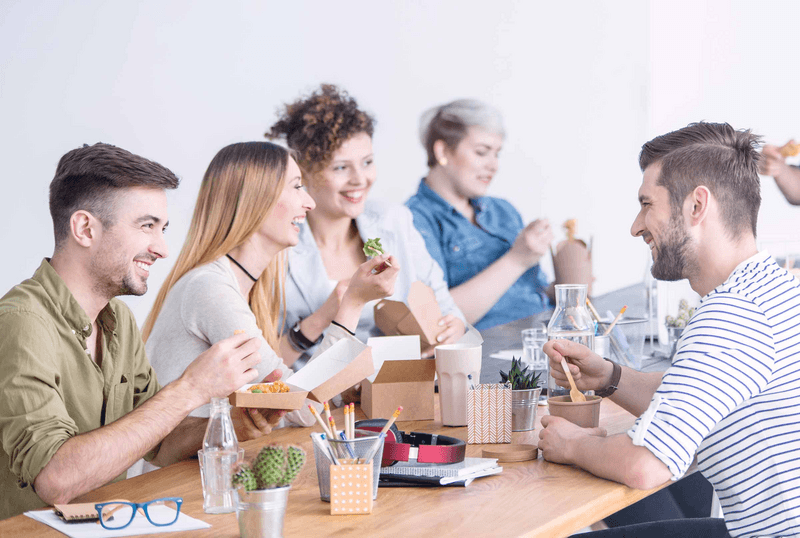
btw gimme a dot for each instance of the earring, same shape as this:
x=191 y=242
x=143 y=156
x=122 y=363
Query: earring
x=442 y=162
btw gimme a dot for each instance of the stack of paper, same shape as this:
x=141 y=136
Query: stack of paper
x=462 y=473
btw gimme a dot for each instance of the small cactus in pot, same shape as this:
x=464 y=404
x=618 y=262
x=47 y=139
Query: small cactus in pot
x=274 y=467
x=525 y=393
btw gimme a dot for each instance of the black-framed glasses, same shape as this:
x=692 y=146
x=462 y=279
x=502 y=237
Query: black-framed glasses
x=120 y=514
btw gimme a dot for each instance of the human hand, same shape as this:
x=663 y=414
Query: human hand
x=774 y=163
x=588 y=369
x=366 y=285
x=558 y=438
x=251 y=423
x=222 y=368
x=453 y=330
x=331 y=305
x=532 y=243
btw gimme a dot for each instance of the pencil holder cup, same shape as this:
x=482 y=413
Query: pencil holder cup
x=348 y=450
x=351 y=488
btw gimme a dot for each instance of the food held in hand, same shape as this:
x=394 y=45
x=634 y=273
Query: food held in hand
x=269 y=388
x=790 y=149
x=373 y=247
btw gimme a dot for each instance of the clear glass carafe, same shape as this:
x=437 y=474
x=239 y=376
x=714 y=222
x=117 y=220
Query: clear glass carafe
x=218 y=459
x=571 y=321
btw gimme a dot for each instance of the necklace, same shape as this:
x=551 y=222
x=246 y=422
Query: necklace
x=239 y=265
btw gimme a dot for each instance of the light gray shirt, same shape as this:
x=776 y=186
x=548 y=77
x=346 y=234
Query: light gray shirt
x=308 y=285
x=202 y=308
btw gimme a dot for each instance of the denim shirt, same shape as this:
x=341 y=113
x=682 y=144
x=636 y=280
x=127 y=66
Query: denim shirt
x=308 y=285
x=464 y=249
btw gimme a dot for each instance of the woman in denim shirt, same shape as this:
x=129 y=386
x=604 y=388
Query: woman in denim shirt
x=332 y=139
x=490 y=259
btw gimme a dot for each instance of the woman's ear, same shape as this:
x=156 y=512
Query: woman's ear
x=440 y=151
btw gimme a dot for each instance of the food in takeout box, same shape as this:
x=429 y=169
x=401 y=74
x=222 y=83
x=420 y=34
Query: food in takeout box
x=276 y=395
x=572 y=259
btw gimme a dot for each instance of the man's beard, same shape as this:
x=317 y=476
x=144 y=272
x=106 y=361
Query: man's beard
x=114 y=277
x=676 y=257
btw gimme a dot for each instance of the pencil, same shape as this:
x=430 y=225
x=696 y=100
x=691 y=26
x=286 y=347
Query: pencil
x=327 y=411
x=374 y=448
x=391 y=420
x=353 y=420
x=347 y=422
x=319 y=419
x=592 y=310
x=616 y=319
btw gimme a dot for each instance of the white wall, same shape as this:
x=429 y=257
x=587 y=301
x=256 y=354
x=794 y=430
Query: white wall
x=581 y=84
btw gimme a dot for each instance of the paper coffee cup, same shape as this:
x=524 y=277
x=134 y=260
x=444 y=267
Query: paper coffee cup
x=454 y=363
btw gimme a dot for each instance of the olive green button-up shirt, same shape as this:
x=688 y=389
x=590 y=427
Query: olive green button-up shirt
x=50 y=388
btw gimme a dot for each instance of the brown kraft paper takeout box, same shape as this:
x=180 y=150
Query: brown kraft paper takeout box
x=401 y=379
x=421 y=316
x=401 y=383
x=336 y=369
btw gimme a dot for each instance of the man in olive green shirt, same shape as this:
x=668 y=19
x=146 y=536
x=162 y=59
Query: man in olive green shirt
x=79 y=402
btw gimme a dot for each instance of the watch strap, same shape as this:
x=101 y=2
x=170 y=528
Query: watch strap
x=616 y=373
x=299 y=341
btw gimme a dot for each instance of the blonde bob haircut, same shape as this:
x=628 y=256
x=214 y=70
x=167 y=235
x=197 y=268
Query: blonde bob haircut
x=239 y=189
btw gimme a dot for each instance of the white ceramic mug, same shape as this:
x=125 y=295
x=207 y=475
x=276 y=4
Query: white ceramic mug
x=454 y=362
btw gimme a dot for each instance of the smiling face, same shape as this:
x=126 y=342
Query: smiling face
x=474 y=162
x=125 y=251
x=282 y=226
x=664 y=231
x=341 y=188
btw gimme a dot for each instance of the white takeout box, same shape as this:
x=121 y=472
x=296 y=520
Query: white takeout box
x=336 y=369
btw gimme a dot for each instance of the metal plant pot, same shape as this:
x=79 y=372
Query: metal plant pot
x=261 y=512
x=523 y=409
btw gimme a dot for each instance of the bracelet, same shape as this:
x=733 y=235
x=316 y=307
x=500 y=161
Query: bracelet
x=612 y=387
x=299 y=341
x=334 y=322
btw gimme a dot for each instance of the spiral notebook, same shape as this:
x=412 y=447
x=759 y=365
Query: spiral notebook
x=78 y=512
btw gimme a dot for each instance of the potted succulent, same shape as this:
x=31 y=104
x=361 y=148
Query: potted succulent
x=263 y=490
x=525 y=393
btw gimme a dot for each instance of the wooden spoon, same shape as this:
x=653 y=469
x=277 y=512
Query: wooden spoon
x=574 y=394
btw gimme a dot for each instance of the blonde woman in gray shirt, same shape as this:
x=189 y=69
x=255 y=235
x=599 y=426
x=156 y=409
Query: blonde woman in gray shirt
x=229 y=275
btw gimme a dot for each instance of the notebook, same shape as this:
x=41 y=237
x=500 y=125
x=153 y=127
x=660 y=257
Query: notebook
x=79 y=512
x=463 y=468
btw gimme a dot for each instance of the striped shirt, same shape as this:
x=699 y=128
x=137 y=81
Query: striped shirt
x=732 y=399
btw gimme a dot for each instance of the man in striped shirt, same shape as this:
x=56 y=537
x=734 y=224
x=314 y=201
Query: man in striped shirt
x=731 y=398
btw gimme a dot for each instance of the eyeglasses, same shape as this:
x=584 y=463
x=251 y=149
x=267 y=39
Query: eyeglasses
x=120 y=514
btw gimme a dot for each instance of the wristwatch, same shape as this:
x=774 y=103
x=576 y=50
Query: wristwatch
x=616 y=373
x=299 y=341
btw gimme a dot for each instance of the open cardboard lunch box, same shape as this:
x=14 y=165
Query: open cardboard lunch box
x=419 y=317
x=336 y=369
x=401 y=378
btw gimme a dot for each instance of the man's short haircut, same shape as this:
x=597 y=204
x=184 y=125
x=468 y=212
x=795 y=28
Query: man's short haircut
x=87 y=179
x=715 y=155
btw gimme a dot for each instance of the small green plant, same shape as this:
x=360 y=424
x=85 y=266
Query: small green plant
x=519 y=377
x=273 y=467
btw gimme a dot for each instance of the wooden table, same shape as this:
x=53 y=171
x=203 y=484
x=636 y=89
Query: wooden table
x=534 y=498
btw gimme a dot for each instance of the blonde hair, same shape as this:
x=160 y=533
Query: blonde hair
x=239 y=189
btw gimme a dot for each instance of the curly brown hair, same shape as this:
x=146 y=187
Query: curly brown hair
x=317 y=125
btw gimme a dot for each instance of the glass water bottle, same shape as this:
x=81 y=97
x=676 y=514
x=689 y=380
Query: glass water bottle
x=570 y=321
x=218 y=460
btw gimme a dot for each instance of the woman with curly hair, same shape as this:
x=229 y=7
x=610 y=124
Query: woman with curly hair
x=332 y=138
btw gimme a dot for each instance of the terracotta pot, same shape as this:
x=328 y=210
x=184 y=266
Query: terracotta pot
x=584 y=414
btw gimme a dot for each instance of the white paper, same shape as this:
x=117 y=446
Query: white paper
x=326 y=365
x=392 y=348
x=507 y=354
x=139 y=525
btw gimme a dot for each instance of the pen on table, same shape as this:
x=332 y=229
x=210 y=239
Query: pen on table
x=377 y=443
x=319 y=419
x=616 y=319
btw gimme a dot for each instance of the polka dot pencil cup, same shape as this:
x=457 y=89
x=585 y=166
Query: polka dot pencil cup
x=351 y=488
